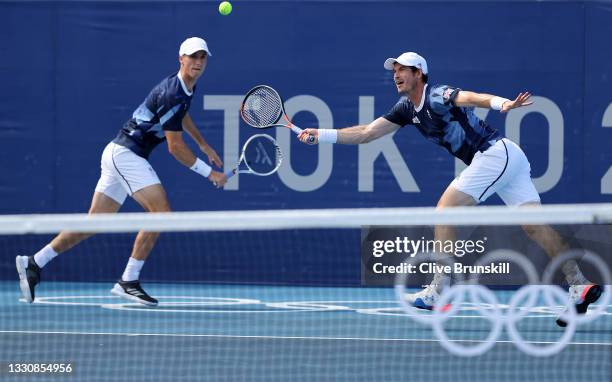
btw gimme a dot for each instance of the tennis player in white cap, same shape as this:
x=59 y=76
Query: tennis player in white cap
x=125 y=170
x=445 y=115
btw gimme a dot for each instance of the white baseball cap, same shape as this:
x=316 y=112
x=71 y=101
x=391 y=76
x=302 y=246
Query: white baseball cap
x=408 y=59
x=192 y=45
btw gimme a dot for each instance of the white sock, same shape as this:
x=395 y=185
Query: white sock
x=573 y=275
x=45 y=255
x=441 y=281
x=132 y=269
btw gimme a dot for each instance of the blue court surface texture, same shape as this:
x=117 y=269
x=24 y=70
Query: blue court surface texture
x=273 y=333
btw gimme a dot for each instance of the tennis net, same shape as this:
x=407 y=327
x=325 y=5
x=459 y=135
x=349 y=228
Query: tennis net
x=313 y=295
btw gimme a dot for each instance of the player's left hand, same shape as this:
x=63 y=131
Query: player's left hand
x=213 y=158
x=521 y=100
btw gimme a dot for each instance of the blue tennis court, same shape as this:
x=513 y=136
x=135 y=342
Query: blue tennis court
x=264 y=333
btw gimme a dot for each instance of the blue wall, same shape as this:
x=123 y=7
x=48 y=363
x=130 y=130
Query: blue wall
x=72 y=73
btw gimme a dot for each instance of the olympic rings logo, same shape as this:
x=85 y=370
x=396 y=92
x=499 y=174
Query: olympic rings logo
x=520 y=305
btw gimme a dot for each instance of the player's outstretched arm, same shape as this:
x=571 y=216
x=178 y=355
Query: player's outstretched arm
x=351 y=135
x=182 y=153
x=467 y=98
x=191 y=129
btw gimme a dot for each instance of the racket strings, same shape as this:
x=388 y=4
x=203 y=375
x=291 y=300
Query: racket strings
x=262 y=108
x=262 y=155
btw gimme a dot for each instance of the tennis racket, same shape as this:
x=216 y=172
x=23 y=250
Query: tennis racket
x=260 y=156
x=263 y=108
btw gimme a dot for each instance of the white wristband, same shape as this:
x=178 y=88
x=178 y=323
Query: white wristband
x=328 y=135
x=498 y=102
x=201 y=168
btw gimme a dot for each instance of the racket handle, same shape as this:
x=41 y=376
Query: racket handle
x=298 y=131
x=230 y=173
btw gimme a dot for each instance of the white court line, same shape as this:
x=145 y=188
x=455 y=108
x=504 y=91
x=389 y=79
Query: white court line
x=282 y=306
x=281 y=337
x=544 y=312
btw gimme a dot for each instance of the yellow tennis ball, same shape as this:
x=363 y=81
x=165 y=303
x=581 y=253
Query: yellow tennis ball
x=225 y=8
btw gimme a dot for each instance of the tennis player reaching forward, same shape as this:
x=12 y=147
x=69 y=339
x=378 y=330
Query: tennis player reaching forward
x=125 y=170
x=445 y=115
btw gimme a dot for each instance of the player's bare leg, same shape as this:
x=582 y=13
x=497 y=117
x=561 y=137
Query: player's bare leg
x=426 y=298
x=153 y=199
x=29 y=267
x=582 y=292
x=100 y=204
x=451 y=198
x=545 y=236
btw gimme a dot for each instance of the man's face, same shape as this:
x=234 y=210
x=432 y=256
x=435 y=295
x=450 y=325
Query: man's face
x=194 y=64
x=405 y=79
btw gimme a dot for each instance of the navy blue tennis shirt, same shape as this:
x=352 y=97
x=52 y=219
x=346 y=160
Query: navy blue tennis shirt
x=162 y=110
x=457 y=129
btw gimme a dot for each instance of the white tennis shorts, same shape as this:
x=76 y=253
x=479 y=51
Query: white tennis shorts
x=123 y=173
x=503 y=169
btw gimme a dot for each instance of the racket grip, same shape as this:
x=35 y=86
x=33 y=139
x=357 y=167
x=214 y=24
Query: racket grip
x=298 y=131
x=230 y=173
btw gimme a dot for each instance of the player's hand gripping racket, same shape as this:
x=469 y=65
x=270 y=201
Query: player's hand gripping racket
x=260 y=156
x=263 y=108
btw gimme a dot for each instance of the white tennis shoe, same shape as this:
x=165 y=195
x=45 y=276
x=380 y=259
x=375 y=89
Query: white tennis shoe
x=131 y=290
x=582 y=296
x=425 y=299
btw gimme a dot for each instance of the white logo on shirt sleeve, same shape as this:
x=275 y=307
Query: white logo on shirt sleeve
x=447 y=94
